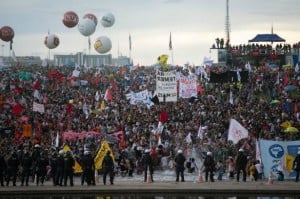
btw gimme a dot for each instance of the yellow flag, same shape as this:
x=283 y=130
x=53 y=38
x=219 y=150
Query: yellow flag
x=289 y=160
x=101 y=153
x=102 y=107
x=77 y=168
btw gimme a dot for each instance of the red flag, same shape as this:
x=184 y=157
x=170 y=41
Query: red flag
x=163 y=116
x=36 y=84
x=17 y=109
x=108 y=96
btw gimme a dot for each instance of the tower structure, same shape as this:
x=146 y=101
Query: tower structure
x=227 y=24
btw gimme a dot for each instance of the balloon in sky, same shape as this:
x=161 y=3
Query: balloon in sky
x=108 y=20
x=51 y=41
x=92 y=17
x=7 y=33
x=86 y=27
x=70 y=19
x=102 y=44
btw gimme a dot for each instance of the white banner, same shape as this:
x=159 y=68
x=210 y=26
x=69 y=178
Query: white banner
x=166 y=85
x=38 y=107
x=188 y=86
x=142 y=97
x=274 y=153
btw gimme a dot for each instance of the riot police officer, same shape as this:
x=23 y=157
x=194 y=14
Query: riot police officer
x=179 y=160
x=26 y=163
x=69 y=163
x=108 y=168
x=3 y=168
x=13 y=163
x=87 y=163
x=53 y=164
x=59 y=168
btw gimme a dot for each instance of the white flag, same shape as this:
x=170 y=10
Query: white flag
x=230 y=97
x=200 y=133
x=57 y=140
x=236 y=131
x=257 y=155
x=188 y=138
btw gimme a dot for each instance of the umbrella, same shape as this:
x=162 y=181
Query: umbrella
x=291 y=130
x=290 y=88
x=286 y=124
x=274 y=101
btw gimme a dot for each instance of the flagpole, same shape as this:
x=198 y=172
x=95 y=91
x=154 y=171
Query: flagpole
x=130 y=48
x=171 y=48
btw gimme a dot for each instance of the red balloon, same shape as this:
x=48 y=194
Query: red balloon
x=92 y=17
x=7 y=33
x=70 y=19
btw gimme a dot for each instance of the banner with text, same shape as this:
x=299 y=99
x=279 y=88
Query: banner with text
x=166 y=86
x=188 y=86
x=274 y=153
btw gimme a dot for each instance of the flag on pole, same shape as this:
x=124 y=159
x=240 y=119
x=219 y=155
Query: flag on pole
x=57 y=140
x=130 y=42
x=101 y=153
x=236 y=131
x=170 y=42
x=89 y=41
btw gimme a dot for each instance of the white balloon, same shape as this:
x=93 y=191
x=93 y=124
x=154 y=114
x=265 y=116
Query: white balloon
x=102 y=44
x=86 y=27
x=108 y=20
x=51 y=41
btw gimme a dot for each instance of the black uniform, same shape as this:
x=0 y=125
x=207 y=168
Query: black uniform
x=296 y=166
x=53 y=164
x=209 y=164
x=108 y=168
x=241 y=164
x=179 y=166
x=59 y=169
x=69 y=163
x=12 y=168
x=26 y=163
x=3 y=168
x=41 y=168
x=147 y=163
x=87 y=163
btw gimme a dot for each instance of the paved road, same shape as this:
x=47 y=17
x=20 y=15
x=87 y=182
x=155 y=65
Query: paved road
x=286 y=188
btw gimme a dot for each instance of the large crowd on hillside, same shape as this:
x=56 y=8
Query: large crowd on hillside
x=261 y=105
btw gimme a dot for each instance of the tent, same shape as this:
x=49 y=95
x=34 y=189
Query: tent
x=267 y=38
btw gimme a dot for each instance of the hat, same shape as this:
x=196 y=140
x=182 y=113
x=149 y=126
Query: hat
x=241 y=150
x=61 y=152
x=179 y=151
x=298 y=152
x=86 y=152
x=147 y=150
x=37 y=146
x=209 y=153
x=108 y=152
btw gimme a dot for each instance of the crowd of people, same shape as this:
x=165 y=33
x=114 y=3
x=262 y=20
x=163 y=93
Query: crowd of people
x=261 y=105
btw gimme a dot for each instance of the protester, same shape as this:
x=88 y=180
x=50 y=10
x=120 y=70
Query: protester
x=71 y=105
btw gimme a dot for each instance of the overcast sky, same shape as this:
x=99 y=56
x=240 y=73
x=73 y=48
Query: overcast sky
x=194 y=25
